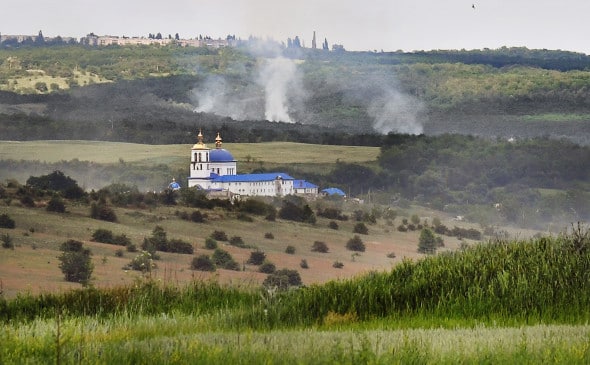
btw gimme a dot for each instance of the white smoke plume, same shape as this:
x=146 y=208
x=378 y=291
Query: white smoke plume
x=395 y=112
x=278 y=76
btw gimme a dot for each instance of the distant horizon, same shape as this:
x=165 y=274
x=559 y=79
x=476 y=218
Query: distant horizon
x=284 y=42
x=374 y=25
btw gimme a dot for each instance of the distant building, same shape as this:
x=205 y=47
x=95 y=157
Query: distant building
x=215 y=170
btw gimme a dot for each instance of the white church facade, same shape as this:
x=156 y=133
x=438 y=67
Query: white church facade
x=216 y=170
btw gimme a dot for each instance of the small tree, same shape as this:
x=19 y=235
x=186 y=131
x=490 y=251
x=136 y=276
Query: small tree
x=319 y=246
x=6 y=221
x=7 y=241
x=427 y=242
x=75 y=262
x=283 y=279
x=355 y=244
x=219 y=236
x=203 y=263
x=210 y=243
x=267 y=267
x=290 y=250
x=56 y=205
x=256 y=258
x=360 y=228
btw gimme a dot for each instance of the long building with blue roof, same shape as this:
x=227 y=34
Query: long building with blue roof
x=216 y=170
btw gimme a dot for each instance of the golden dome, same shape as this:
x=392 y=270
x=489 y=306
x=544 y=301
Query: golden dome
x=200 y=145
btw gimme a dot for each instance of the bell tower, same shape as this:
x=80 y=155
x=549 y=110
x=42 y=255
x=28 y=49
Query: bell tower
x=200 y=163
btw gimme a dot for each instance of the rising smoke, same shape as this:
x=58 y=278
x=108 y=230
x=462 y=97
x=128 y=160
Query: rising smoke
x=274 y=90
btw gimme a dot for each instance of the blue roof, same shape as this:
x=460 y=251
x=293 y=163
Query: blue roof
x=332 y=191
x=302 y=184
x=270 y=176
x=220 y=155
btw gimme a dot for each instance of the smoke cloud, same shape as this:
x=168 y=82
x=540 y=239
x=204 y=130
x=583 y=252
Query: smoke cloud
x=272 y=88
x=395 y=112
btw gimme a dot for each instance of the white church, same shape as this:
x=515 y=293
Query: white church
x=215 y=170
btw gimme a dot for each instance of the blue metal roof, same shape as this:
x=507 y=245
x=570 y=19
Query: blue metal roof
x=332 y=191
x=270 y=176
x=302 y=184
x=220 y=155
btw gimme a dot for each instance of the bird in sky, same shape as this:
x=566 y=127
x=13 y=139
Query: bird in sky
x=473 y=6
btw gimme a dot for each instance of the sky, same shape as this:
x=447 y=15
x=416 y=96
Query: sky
x=387 y=25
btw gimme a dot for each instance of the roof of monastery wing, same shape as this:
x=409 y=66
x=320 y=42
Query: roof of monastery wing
x=270 y=176
x=302 y=184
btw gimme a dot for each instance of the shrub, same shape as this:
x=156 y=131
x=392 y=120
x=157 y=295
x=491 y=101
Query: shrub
x=255 y=206
x=333 y=225
x=119 y=253
x=290 y=250
x=75 y=262
x=179 y=246
x=415 y=219
x=210 y=243
x=303 y=264
x=102 y=235
x=319 y=246
x=197 y=217
x=6 y=221
x=202 y=263
x=7 y=241
x=267 y=267
x=355 y=244
x=391 y=255
x=219 y=236
x=256 y=258
x=221 y=257
x=402 y=228
x=56 y=205
x=338 y=265
x=360 y=228
x=283 y=279
x=142 y=262
x=131 y=247
x=103 y=212
x=121 y=240
x=427 y=242
x=27 y=201
x=269 y=235
x=237 y=241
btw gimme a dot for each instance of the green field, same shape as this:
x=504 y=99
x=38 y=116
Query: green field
x=113 y=152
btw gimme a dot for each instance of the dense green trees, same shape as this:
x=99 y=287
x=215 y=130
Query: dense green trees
x=75 y=262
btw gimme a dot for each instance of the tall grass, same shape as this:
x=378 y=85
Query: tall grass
x=545 y=280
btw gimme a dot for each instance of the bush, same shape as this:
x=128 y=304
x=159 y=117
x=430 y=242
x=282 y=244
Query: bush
x=303 y=264
x=255 y=206
x=283 y=279
x=6 y=221
x=56 y=205
x=27 y=201
x=427 y=242
x=402 y=228
x=237 y=241
x=319 y=246
x=267 y=267
x=142 y=262
x=219 y=236
x=119 y=253
x=121 y=240
x=338 y=265
x=197 y=217
x=131 y=247
x=179 y=246
x=290 y=250
x=415 y=219
x=355 y=244
x=360 y=228
x=103 y=212
x=7 y=241
x=102 y=235
x=333 y=225
x=202 y=263
x=256 y=258
x=269 y=236
x=221 y=257
x=75 y=262
x=210 y=243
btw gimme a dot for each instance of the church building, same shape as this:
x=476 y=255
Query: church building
x=216 y=170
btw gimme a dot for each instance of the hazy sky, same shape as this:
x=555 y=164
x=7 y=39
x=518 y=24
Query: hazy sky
x=358 y=25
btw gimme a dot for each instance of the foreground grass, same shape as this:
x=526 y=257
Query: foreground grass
x=521 y=302
x=180 y=339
